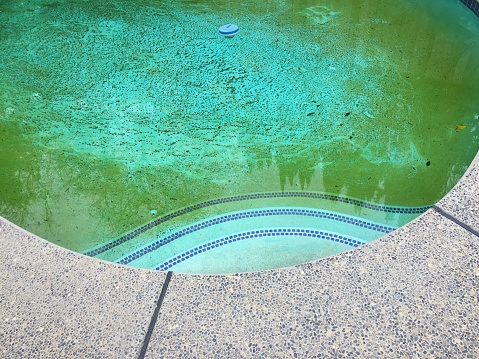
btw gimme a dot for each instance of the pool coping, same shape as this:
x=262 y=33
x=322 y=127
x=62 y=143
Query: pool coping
x=411 y=293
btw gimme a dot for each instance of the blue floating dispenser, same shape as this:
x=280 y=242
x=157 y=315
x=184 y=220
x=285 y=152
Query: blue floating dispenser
x=229 y=30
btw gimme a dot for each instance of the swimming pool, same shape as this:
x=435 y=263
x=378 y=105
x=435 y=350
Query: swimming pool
x=118 y=115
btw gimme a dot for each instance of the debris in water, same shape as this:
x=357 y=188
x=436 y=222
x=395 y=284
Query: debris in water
x=460 y=127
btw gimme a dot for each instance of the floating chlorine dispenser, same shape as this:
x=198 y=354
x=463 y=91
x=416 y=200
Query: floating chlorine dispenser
x=229 y=30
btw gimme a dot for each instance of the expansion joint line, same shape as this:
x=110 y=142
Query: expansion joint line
x=151 y=327
x=455 y=220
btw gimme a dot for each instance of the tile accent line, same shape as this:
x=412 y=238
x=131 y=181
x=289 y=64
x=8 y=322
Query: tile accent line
x=251 y=214
x=473 y=5
x=455 y=220
x=297 y=232
x=156 y=313
x=128 y=236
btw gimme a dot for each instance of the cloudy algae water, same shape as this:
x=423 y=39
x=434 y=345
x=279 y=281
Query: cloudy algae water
x=112 y=112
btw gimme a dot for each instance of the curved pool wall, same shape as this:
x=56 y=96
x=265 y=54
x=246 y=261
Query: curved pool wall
x=411 y=293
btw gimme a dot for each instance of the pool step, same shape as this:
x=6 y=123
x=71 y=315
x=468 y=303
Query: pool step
x=212 y=228
x=292 y=228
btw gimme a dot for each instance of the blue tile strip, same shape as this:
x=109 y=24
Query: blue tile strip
x=473 y=5
x=252 y=214
x=298 y=232
x=329 y=197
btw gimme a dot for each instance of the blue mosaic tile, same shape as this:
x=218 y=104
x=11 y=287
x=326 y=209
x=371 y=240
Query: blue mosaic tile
x=266 y=212
x=473 y=5
x=259 y=233
x=138 y=231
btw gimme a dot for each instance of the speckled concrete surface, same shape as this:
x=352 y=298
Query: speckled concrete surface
x=58 y=304
x=463 y=201
x=411 y=294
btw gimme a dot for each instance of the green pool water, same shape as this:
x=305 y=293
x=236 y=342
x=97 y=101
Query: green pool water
x=114 y=113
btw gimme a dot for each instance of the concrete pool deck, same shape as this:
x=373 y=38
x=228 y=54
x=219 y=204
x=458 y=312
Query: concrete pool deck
x=412 y=293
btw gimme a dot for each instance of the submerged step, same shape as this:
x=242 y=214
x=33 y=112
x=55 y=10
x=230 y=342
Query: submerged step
x=189 y=239
x=323 y=224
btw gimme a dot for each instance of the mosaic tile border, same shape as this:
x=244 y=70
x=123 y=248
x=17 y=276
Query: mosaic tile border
x=252 y=214
x=473 y=5
x=256 y=234
x=152 y=224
